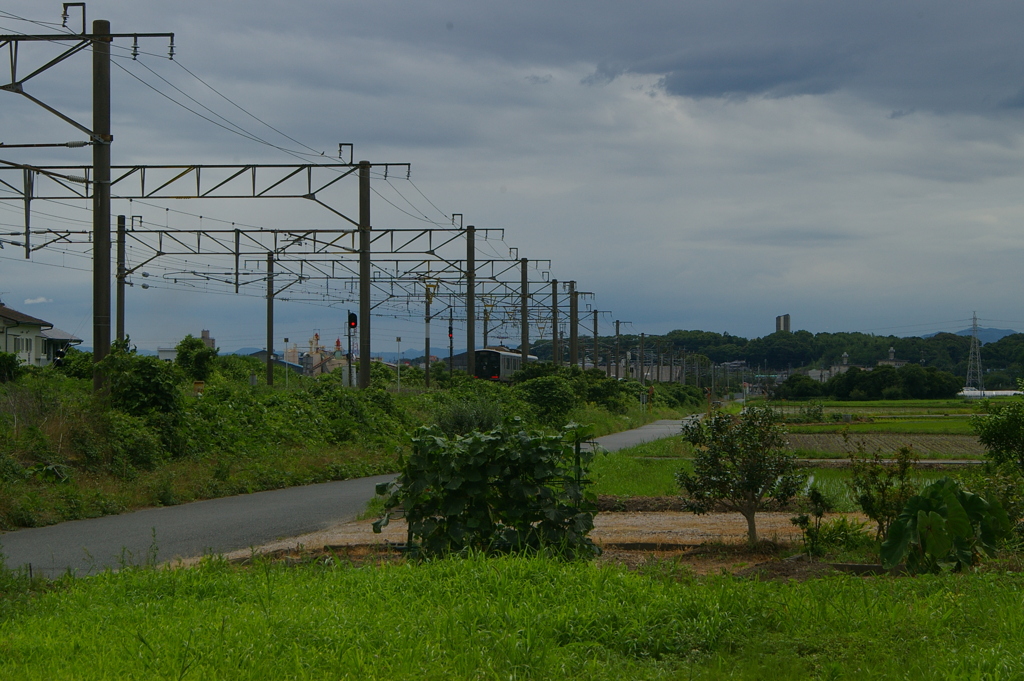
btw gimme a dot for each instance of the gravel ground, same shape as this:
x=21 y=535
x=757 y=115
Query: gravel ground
x=663 y=533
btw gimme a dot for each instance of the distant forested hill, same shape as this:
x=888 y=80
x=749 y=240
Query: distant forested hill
x=1002 y=359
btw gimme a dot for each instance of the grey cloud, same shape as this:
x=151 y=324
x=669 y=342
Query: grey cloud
x=784 y=236
x=774 y=72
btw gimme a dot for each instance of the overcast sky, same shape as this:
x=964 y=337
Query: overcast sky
x=697 y=165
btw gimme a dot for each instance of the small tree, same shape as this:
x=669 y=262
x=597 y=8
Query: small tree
x=882 y=487
x=739 y=463
x=194 y=358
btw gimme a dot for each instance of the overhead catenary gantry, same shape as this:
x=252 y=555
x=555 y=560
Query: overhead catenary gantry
x=100 y=138
x=291 y=255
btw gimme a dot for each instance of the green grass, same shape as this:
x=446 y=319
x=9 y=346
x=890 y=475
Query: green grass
x=511 y=618
x=623 y=475
x=933 y=426
x=667 y=447
x=833 y=483
x=602 y=422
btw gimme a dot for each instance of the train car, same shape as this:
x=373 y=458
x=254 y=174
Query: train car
x=493 y=363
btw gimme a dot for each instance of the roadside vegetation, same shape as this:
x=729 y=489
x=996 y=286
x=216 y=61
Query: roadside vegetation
x=155 y=439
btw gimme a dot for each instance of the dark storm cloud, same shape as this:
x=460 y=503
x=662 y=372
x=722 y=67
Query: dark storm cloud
x=946 y=56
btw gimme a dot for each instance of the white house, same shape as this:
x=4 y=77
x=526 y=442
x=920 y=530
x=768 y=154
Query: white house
x=33 y=340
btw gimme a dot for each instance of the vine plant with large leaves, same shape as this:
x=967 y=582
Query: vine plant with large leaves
x=502 y=490
x=944 y=528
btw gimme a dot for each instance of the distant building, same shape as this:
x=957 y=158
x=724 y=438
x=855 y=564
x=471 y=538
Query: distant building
x=261 y=355
x=892 y=361
x=782 y=323
x=33 y=340
x=171 y=354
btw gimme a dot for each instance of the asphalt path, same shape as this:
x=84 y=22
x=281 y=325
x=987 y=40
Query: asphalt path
x=157 y=535
x=214 y=526
x=631 y=438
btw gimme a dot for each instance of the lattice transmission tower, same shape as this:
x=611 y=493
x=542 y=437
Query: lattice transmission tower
x=974 y=375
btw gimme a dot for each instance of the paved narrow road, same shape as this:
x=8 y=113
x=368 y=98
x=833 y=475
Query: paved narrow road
x=216 y=525
x=631 y=438
x=163 y=534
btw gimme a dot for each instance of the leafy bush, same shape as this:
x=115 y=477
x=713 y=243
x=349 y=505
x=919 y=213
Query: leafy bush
x=677 y=395
x=944 y=528
x=238 y=368
x=533 y=370
x=882 y=487
x=844 y=533
x=817 y=505
x=77 y=364
x=463 y=416
x=139 y=385
x=504 y=490
x=133 y=444
x=1001 y=482
x=10 y=367
x=381 y=375
x=1002 y=433
x=552 y=397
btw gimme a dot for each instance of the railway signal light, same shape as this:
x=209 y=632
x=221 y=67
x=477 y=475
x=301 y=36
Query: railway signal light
x=449 y=330
x=353 y=320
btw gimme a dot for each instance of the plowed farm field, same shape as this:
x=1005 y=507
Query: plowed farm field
x=926 y=445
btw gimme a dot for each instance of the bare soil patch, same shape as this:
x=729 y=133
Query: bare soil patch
x=673 y=541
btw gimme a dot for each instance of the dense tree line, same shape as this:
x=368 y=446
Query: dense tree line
x=882 y=383
x=1002 y=360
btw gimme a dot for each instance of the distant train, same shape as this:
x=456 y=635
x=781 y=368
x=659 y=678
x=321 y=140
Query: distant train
x=494 y=363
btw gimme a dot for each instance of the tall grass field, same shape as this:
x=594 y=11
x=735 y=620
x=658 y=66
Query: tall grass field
x=510 y=618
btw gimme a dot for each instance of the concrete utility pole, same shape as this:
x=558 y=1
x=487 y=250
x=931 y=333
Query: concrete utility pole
x=661 y=358
x=471 y=300
x=595 y=338
x=101 y=140
x=451 y=342
x=270 y=319
x=348 y=355
x=574 y=324
x=426 y=333
x=618 y=354
x=364 y=274
x=556 y=348
x=643 y=379
x=121 y=276
x=524 y=312
x=487 y=319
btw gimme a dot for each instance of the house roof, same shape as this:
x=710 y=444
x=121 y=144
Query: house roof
x=7 y=314
x=60 y=334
